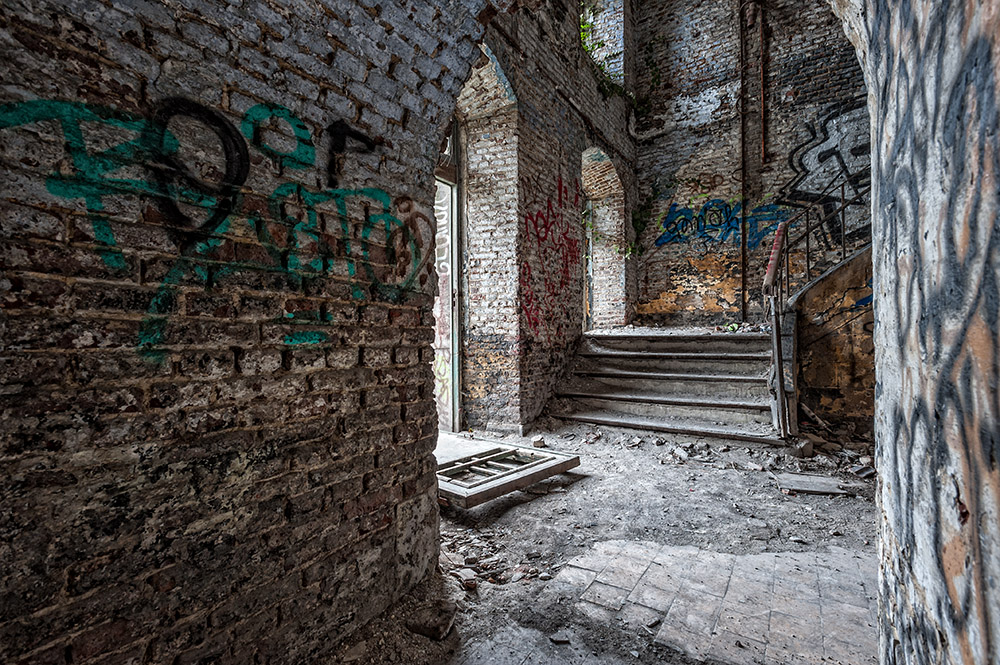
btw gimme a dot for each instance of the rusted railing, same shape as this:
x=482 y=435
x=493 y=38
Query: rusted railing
x=778 y=278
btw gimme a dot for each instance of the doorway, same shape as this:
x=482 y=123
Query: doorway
x=446 y=315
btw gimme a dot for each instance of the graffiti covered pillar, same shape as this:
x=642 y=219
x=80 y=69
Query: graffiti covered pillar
x=933 y=70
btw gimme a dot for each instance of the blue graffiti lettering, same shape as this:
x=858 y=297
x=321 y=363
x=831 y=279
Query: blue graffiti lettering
x=719 y=222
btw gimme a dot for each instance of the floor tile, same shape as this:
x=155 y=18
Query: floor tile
x=605 y=595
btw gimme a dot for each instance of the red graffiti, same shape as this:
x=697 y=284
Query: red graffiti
x=552 y=265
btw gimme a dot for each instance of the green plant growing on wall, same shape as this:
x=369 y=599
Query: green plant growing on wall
x=642 y=215
x=589 y=11
x=595 y=48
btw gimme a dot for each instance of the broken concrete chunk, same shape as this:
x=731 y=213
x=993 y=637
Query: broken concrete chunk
x=560 y=637
x=538 y=441
x=433 y=620
x=356 y=653
x=812 y=484
x=467 y=577
x=802 y=449
x=863 y=471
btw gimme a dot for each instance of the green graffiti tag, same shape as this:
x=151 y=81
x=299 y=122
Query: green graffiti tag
x=304 y=155
x=87 y=178
x=291 y=230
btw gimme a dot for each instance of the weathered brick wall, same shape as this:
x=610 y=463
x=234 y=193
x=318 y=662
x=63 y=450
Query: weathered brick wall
x=688 y=154
x=217 y=288
x=491 y=347
x=691 y=142
x=217 y=401
x=560 y=112
x=605 y=35
x=836 y=354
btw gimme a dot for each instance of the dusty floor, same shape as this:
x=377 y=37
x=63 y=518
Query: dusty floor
x=630 y=486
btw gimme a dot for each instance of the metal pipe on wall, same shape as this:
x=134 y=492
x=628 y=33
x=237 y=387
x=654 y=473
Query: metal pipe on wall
x=743 y=161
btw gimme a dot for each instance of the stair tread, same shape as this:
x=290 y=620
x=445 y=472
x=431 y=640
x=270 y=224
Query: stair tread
x=665 y=399
x=680 y=355
x=678 y=426
x=685 y=337
x=672 y=376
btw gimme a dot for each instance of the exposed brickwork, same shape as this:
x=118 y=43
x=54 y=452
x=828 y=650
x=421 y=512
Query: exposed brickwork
x=692 y=142
x=608 y=241
x=217 y=405
x=609 y=36
x=511 y=366
x=218 y=401
x=491 y=347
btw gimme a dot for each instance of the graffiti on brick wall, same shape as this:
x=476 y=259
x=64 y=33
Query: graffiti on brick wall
x=719 y=222
x=838 y=149
x=384 y=260
x=555 y=243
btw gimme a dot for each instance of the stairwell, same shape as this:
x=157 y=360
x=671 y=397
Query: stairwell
x=703 y=385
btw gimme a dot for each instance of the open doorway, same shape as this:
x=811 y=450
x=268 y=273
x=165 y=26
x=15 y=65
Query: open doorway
x=607 y=243
x=447 y=356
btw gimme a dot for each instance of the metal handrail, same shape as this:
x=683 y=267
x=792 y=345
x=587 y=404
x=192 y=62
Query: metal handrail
x=779 y=273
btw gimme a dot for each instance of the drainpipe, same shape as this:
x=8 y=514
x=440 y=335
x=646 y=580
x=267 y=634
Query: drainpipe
x=743 y=160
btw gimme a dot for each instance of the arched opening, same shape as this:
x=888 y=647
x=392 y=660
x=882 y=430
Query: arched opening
x=608 y=242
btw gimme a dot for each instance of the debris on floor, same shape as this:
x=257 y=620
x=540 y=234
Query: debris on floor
x=814 y=484
x=434 y=620
x=533 y=553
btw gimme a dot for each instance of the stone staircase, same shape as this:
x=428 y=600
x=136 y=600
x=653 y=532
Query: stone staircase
x=702 y=385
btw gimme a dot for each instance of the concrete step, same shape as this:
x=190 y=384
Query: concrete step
x=752 y=432
x=714 y=386
x=671 y=407
x=678 y=343
x=678 y=363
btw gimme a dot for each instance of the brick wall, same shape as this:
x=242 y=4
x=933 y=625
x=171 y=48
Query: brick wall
x=217 y=286
x=811 y=126
x=608 y=241
x=604 y=34
x=491 y=342
x=560 y=111
x=217 y=402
